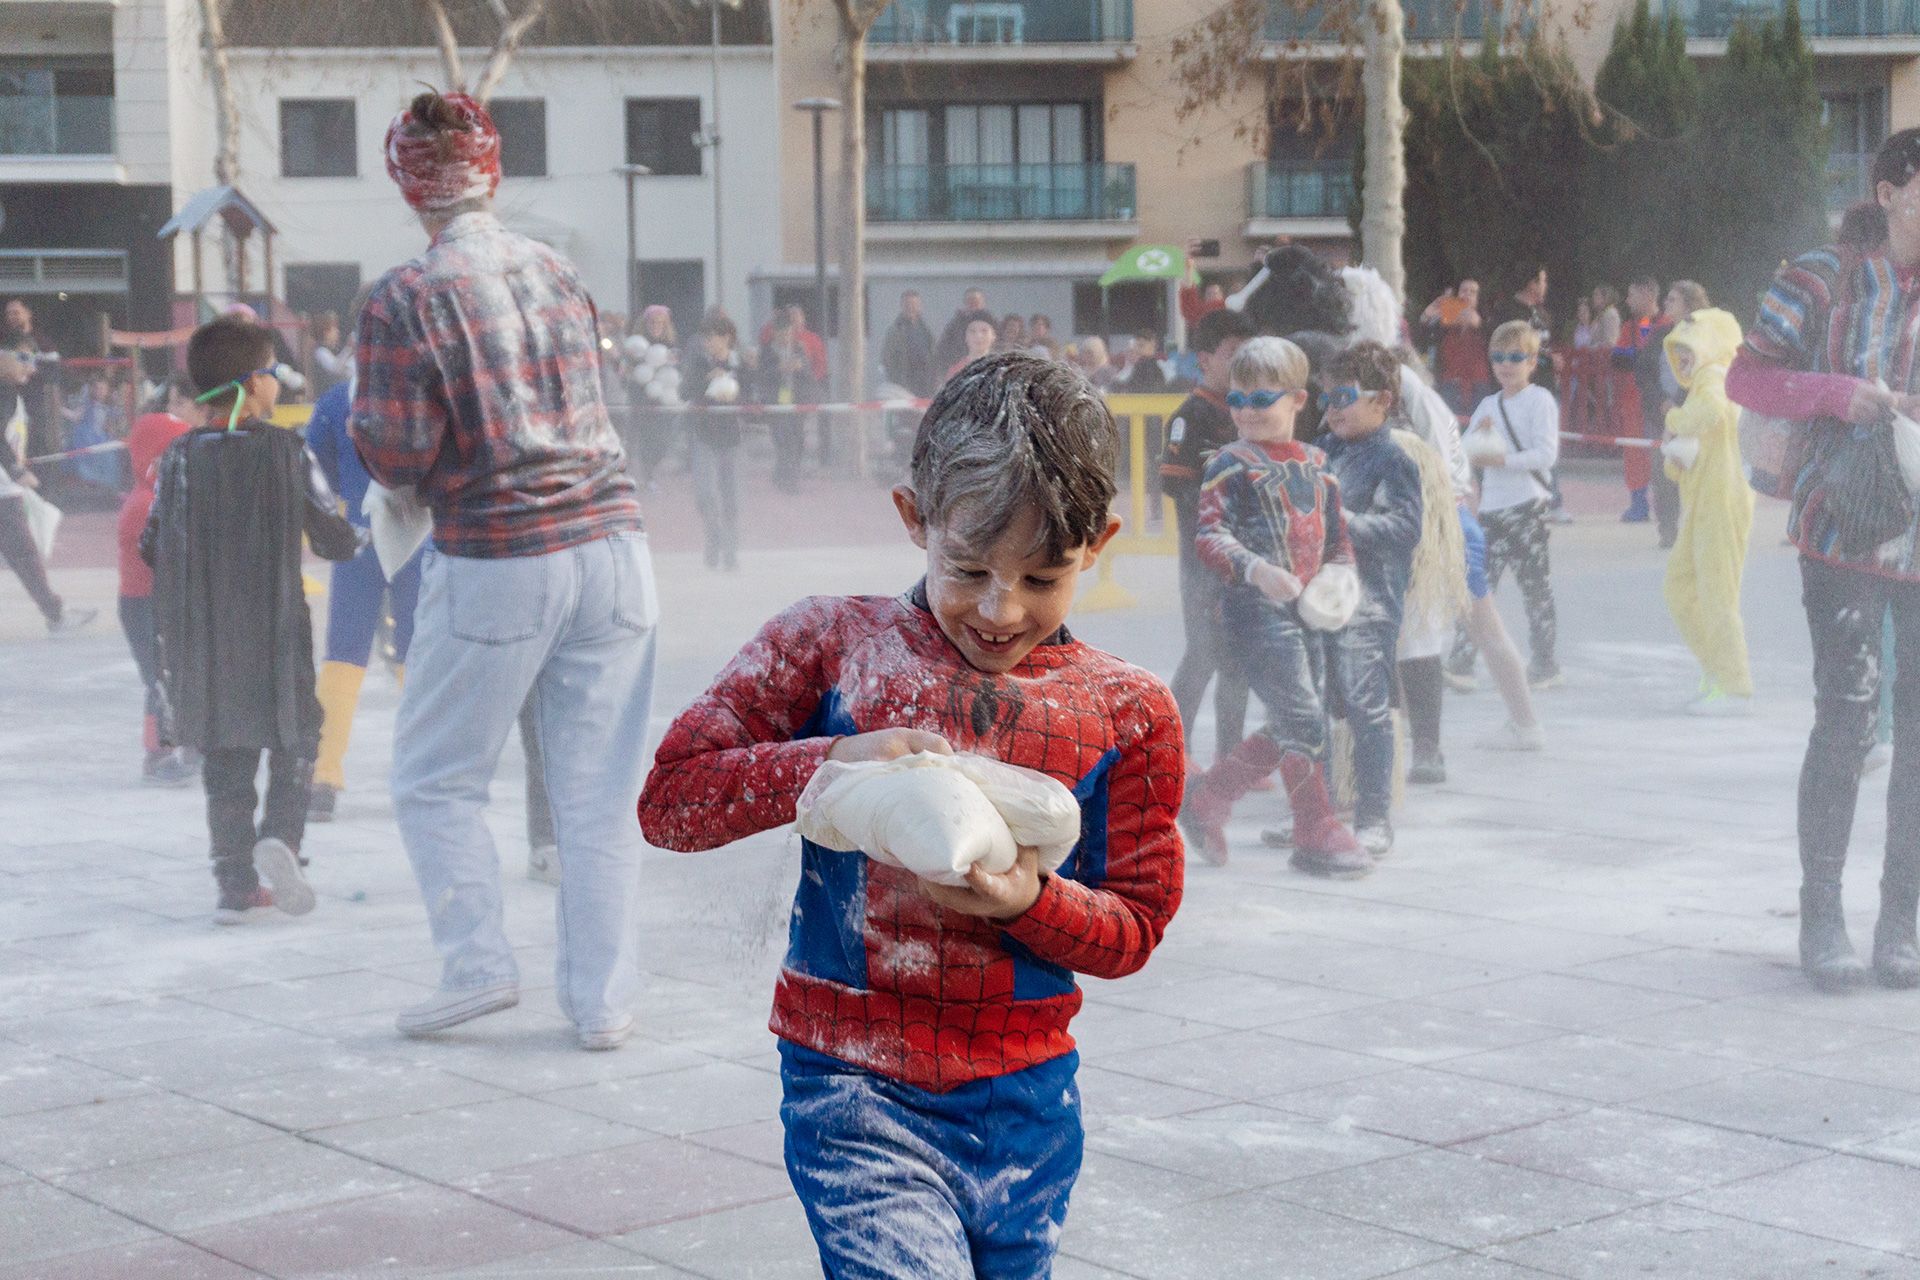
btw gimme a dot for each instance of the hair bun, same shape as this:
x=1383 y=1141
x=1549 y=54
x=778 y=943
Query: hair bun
x=435 y=112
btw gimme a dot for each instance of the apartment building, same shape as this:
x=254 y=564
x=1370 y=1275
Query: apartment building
x=107 y=128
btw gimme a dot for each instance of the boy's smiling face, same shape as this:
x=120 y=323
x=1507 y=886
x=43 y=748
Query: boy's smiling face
x=996 y=603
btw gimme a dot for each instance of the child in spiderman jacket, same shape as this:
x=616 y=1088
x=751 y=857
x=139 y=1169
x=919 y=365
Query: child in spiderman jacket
x=932 y=1117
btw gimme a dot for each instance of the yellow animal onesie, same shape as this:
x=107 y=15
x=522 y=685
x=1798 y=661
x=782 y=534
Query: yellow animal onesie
x=1716 y=504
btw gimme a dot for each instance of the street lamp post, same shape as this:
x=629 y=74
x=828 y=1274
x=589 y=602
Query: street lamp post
x=632 y=171
x=817 y=108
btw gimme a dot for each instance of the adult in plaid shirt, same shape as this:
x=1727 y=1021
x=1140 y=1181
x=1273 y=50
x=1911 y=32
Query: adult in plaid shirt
x=479 y=388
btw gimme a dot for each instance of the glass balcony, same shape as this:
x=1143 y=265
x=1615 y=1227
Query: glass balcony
x=1819 y=19
x=970 y=22
x=1318 y=190
x=47 y=111
x=1426 y=20
x=1000 y=193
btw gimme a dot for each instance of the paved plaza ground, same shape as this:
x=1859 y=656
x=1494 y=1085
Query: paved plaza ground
x=1559 y=1033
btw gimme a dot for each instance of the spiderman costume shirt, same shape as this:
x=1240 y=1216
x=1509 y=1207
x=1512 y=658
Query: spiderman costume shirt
x=1276 y=502
x=876 y=974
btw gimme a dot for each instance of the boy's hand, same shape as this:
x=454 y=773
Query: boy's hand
x=990 y=895
x=888 y=744
x=30 y=480
x=1275 y=583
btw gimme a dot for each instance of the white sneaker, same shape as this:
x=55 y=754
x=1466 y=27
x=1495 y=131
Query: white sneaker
x=607 y=1037
x=1459 y=681
x=543 y=864
x=279 y=866
x=451 y=1008
x=1877 y=759
x=1511 y=737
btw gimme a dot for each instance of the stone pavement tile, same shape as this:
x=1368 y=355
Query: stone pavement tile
x=1242 y=1064
x=1067 y=1267
x=1872 y=1006
x=226 y=1059
x=1240 y=1002
x=1243 y=1146
x=1687 y=971
x=1453 y=1198
x=144 y=1126
x=172 y=960
x=765 y=1241
x=1672 y=1240
x=45 y=1222
x=1733 y=1029
x=1595 y=1068
x=160 y=1258
x=1427 y=1106
x=1112 y=1192
x=1108 y=1027
x=1863 y=1202
x=458 y=1142
x=1791 y=1104
x=22 y=919
x=117 y=1026
x=404 y=1232
x=584 y=1260
x=1389 y=972
x=1717 y=931
x=303 y=1001
x=1106 y=1096
x=1653 y=1156
x=763 y=1141
x=1577 y=1004
x=344 y=1091
x=1300 y=908
x=1528 y=946
x=1890 y=1064
x=1414 y=1031
x=620 y=1189
x=533 y=1056
x=31 y=1081
x=1471 y=1266
x=1220 y=1237
x=716 y=1095
x=179 y=1193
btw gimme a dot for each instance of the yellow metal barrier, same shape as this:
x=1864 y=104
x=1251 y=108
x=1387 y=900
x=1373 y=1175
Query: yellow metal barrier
x=1142 y=419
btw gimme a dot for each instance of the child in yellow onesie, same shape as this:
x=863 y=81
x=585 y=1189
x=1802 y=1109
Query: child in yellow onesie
x=1703 y=457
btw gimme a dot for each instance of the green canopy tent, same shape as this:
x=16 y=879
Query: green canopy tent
x=1146 y=262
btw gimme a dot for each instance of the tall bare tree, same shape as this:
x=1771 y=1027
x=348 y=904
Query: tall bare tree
x=855 y=19
x=509 y=30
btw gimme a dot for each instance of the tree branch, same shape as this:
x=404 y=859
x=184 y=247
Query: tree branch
x=449 y=45
x=511 y=33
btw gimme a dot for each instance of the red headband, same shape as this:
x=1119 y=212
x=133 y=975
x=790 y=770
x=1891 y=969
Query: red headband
x=470 y=171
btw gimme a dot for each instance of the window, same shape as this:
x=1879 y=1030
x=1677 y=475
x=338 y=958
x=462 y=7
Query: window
x=1030 y=133
x=679 y=285
x=523 y=136
x=323 y=286
x=318 y=138
x=1130 y=307
x=56 y=108
x=660 y=135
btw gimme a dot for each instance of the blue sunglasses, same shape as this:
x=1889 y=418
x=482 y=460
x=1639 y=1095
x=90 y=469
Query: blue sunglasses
x=1509 y=357
x=1339 y=398
x=1255 y=399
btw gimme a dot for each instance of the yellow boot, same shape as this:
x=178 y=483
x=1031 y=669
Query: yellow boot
x=339 y=692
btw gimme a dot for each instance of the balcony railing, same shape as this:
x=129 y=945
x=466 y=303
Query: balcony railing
x=1323 y=190
x=971 y=22
x=1000 y=193
x=1819 y=19
x=37 y=118
x=1426 y=20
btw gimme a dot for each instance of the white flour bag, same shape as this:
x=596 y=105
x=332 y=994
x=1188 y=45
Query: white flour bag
x=938 y=815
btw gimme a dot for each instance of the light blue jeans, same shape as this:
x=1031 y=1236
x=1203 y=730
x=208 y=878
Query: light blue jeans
x=576 y=630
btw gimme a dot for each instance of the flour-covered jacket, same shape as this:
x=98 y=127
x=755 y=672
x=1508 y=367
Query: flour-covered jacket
x=479 y=385
x=1272 y=503
x=876 y=973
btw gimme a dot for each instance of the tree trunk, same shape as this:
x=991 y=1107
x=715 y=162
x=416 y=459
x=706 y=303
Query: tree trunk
x=853 y=210
x=449 y=45
x=512 y=31
x=226 y=108
x=1383 y=220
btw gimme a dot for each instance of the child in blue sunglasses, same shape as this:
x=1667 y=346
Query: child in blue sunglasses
x=1270 y=522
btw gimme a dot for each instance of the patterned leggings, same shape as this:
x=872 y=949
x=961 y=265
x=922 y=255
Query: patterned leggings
x=1517 y=540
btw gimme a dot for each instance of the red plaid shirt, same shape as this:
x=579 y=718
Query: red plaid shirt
x=479 y=384
x=876 y=973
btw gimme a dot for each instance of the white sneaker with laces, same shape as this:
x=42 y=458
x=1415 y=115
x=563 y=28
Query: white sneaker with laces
x=607 y=1037
x=279 y=866
x=1511 y=737
x=451 y=1008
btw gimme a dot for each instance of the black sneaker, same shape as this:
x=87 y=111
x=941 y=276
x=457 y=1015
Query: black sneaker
x=1429 y=768
x=243 y=908
x=168 y=769
x=320 y=802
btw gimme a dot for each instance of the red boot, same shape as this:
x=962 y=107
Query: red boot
x=1322 y=845
x=1211 y=796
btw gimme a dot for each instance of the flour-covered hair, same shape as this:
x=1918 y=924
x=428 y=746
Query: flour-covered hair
x=1270 y=362
x=1011 y=433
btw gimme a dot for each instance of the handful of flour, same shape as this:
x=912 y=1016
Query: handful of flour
x=938 y=815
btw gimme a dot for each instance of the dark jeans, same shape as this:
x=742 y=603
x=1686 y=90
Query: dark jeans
x=717 y=494
x=1844 y=612
x=136 y=619
x=1206 y=655
x=1517 y=539
x=18 y=549
x=229 y=775
x=1284 y=663
x=789 y=450
x=1363 y=670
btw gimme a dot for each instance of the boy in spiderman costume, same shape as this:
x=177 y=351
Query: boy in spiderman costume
x=932 y=1118
x=1270 y=519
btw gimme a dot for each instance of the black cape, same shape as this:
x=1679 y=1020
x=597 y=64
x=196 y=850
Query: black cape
x=236 y=640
